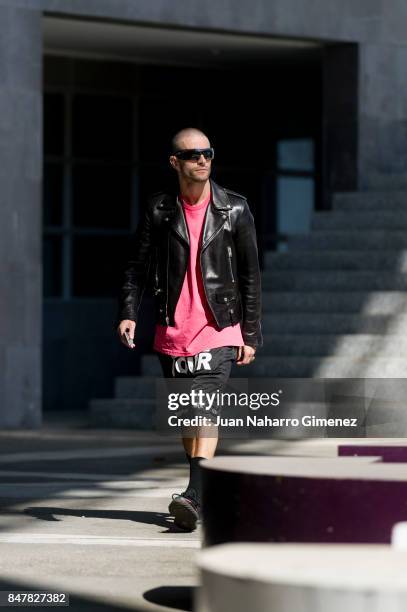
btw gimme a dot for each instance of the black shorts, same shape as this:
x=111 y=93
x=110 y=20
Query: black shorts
x=208 y=370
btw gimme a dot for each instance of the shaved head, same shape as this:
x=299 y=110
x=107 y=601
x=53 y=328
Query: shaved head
x=192 y=174
x=187 y=137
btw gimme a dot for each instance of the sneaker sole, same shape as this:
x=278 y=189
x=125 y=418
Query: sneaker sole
x=185 y=516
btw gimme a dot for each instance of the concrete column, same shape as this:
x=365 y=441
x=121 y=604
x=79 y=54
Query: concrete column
x=365 y=117
x=339 y=120
x=20 y=217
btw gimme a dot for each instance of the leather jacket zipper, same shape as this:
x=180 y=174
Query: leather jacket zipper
x=203 y=283
x=156 y=269
x=167 y=319
x=230 y=263
x=200 y=261
x=157 y=289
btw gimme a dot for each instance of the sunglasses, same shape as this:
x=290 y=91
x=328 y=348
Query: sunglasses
x=195 y=154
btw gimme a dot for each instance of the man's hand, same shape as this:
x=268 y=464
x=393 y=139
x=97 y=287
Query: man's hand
x=245 y=355
x=127 y=326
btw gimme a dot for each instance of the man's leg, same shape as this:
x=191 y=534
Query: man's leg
x=211 y=374
x=171 y=369
x=209 y=379
x=202 y=446
x=184 y=509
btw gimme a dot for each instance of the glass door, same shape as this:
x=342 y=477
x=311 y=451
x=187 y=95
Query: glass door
x=295 y=188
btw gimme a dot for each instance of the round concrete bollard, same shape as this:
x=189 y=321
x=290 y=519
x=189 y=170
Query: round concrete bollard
x=399 y=536
x=301 y=499
x=301 y=578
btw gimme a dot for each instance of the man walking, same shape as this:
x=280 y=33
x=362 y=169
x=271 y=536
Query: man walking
x=200 y=244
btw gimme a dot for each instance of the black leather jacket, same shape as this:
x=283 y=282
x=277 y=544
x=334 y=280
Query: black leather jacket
x=228 y=258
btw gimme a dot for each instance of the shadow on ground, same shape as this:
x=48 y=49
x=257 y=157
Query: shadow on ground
x=49 y=513
x=178 y=597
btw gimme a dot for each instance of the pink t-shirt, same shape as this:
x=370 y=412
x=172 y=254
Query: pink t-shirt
x=195 y=328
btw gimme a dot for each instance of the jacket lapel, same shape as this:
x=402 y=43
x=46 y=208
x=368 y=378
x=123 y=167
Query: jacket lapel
x=175 y=216
x=216 y=213
x=215 y=217
x=179 y=224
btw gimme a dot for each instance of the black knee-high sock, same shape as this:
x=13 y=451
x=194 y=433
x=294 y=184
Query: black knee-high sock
x=195 y=476
x=188 y=457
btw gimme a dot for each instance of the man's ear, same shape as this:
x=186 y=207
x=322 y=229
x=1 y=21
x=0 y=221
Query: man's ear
x=173 y=161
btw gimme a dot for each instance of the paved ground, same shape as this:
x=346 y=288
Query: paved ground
x=85 y=511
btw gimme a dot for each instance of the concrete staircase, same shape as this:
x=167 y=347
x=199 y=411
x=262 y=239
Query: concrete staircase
x=334 y=304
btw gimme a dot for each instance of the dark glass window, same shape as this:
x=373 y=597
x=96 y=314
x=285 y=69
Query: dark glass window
x=101 y=195
x=155 y=177
x=295 y=187
x=54 y=124
x=102 y=127
x=52 y=258
x=296 y=154
x=247 y=184
x=53 y=194
x=95 y=180
x=235 y=138
x=161 y=119
x=98 y=265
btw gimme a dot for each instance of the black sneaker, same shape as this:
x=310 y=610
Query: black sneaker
x=186 y=509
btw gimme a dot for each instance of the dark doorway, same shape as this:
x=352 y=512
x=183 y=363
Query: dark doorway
x=107 y=129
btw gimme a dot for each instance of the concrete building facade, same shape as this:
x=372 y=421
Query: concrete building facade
x=357 y=57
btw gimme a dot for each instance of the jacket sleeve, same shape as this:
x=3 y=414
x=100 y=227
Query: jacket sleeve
x=248 y=270
x=136 y=269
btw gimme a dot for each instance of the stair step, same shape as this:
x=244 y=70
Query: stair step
x=137 y=413
x=367 y=302
x=334 y=220
x=313 y=367
x=142 y=387
x=391 y=259
x=370 y=200
x=329 y=323
x=334 y=280
x=363 y=239
x=321 y=345
x=386 y=181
